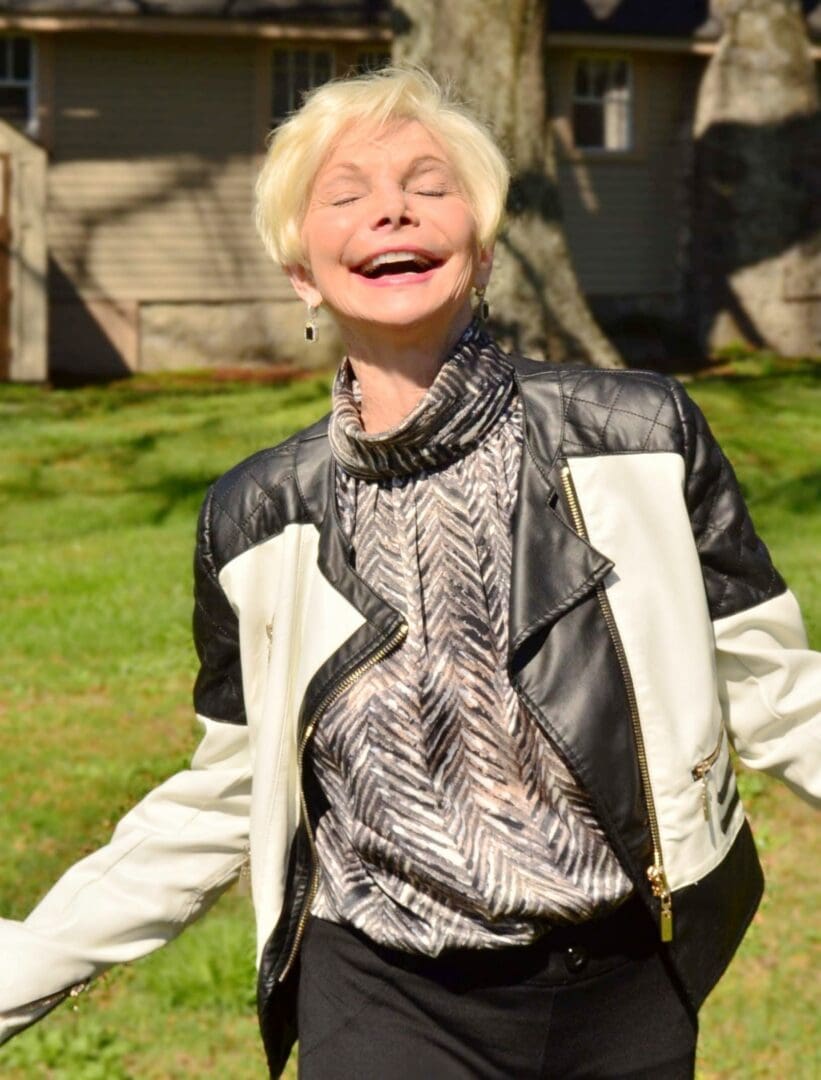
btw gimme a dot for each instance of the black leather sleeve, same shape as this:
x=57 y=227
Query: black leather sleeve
x=218 y=688
x=738 y=572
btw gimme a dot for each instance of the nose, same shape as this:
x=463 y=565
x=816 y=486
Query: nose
x=392 y=208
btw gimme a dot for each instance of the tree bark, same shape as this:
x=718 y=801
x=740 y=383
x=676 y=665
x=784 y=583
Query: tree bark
x=493 y=51
x=757 y=218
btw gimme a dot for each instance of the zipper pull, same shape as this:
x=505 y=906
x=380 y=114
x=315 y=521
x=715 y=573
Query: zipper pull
x=661 y=890
x=666 y=918
x=75 y=991
x=705 y=796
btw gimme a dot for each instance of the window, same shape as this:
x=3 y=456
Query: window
x=372 y=60
x=294 y=73
x=602 y=103
x=17 y=81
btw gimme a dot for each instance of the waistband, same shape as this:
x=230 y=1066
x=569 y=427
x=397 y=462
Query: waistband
x=627 y=933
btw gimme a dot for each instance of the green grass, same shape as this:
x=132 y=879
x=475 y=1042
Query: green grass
x=99 y=490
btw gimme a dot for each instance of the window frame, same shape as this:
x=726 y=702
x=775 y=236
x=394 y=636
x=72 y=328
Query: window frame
x=611 y=58
x=367 y=59
x=30 y=124
x=290 y=50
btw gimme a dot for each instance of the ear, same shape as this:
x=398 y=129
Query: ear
x=484 y=266
x=303 y=284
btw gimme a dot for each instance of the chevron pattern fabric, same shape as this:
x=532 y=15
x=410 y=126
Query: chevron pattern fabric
x=451 y=821
x=452 y=418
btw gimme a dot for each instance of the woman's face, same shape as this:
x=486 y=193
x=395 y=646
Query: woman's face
x=389 y=235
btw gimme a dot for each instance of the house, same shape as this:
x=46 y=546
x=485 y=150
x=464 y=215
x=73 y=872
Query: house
x=145 y=124
x=131 y=132
x=624 y=79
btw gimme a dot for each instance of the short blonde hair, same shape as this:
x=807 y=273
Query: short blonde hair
x=298 y=148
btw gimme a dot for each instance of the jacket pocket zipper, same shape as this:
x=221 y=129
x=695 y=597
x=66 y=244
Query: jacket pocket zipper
x=336 y=691
x=701 y=772
x=656 y=874
x=42 y=1005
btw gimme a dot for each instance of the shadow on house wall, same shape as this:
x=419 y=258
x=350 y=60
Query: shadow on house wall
x=755 y=265
x=87 y=341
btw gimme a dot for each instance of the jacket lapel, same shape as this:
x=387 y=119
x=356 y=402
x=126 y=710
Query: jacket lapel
x=315 y=468
x=553 y=568
x=316 y=477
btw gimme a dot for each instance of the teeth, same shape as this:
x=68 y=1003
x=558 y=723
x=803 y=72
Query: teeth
x=395 y=257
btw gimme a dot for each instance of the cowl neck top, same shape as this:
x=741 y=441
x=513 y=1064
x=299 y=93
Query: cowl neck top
x=449 y=820
x=458 y=410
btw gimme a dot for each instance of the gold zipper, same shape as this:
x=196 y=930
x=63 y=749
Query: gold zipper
x=701 y=771
x=335 y=692
x=655 y=873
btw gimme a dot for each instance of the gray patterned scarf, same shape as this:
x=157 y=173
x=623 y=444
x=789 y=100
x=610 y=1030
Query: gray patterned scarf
x=460 y=408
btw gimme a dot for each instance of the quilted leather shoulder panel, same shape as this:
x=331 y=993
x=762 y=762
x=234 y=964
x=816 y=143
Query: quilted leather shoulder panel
x=254 y=501
x=584 y=411
x=615 y=412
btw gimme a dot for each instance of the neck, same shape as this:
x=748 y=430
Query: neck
x=395 y=369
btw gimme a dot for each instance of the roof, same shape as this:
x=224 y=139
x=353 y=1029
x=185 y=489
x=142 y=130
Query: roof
x=668 y=19
x=337 y=11
x=652 y=18
x=657 y=18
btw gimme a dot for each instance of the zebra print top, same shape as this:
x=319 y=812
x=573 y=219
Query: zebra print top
x=451 y=821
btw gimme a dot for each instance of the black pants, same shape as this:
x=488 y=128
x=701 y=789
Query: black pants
x=592 y=1001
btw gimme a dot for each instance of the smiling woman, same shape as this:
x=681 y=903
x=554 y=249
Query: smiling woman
x=391 y=247
x=473 y=649
x=382 y=198
x=375 y=102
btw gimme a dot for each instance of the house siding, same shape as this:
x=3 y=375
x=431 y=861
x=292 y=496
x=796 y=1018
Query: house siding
x=155 y=146
x=153 y=165
x=626 y=214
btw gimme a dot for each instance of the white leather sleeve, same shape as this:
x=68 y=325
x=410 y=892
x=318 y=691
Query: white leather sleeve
x=770 y=691
x=167 y=861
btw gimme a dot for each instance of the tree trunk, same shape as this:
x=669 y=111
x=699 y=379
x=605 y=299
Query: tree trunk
x=494 y=52
x=756 y=241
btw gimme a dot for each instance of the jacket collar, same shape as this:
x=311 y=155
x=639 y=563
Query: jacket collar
x=553 y=568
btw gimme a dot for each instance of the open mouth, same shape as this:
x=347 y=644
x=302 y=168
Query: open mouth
x=391 y=263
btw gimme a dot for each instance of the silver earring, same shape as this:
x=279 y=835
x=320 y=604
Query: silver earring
x=311 y=329
x=482 y=309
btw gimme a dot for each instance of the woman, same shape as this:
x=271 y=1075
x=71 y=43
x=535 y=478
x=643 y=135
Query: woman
x=473 y=651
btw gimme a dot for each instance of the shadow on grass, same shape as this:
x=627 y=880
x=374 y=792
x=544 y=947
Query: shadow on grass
x=41 y=404
x=801 y=495
x=174 y=494
x=161 y=499
x=759 y=391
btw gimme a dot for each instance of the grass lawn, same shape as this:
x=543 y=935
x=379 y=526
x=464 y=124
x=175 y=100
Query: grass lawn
x=99 y=490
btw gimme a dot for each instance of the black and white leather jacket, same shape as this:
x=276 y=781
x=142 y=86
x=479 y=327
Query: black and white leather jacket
x=649 y=633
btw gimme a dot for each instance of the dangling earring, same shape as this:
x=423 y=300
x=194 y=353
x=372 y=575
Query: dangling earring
x=311 y=329
x=482 y=308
